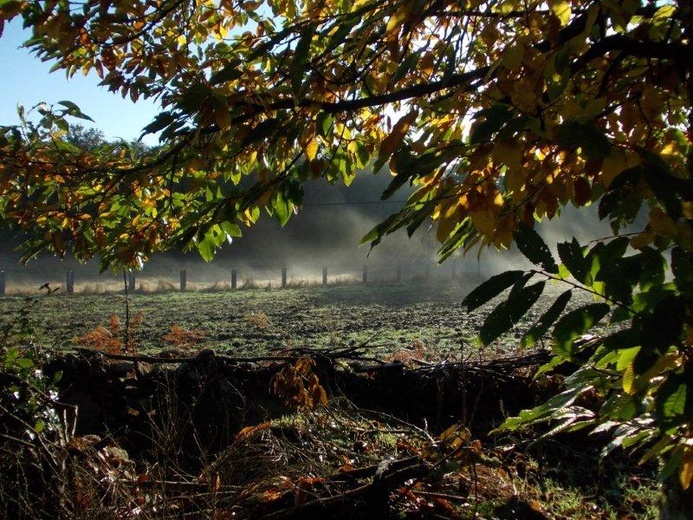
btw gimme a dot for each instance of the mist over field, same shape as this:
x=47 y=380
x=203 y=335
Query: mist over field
x=325 y=233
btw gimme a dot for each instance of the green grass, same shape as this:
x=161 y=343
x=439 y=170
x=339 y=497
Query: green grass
x=310 y=317
x=385 y=317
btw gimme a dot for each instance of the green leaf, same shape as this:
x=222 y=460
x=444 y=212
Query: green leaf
x=161 y=121
x=407 y=65
x=584 y=135
x=231 y=229
x=399 y=180
x=362 y=155
x=622 y=202
x=74 y=111
x=671 y=399
x=672 y=463
x=541 y=413
x=207 y=248
x=195 y=96
x=230 y=72
x=682 y=267
x=325 y=124
x=494 y=118
x=490 y=289
x=575 y=324
x=619 y=407
x=506 y=315
x=664 y=327
x=298 y=65
x=573 y=258
x=343 y=28
x=534 y=248
x=546 y=320
x=282 y=208
x=24 y=362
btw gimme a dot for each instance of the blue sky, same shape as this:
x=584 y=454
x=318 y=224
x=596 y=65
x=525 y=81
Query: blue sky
x=25 y=80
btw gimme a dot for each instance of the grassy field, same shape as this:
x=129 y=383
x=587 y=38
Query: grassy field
x=386 y=317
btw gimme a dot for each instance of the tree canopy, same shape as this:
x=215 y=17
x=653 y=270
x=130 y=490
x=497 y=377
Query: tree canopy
x=497 y=113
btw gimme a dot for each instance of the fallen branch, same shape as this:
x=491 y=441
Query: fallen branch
x=388 y=479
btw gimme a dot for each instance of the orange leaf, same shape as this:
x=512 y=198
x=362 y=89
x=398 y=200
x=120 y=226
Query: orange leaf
x=248 y=430
x=399 y=131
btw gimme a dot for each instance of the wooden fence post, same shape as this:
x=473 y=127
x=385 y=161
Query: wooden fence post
x=183 y=280
x=234 y=279
x=324 y=275
x=131 y=281
x=365 y=274
x=70 y=282
x=283 y=277
x=2 y=283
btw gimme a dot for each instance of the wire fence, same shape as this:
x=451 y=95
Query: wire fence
x=240 y=277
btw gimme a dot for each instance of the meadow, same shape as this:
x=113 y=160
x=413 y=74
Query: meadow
x=422 y=324
x=383 y=318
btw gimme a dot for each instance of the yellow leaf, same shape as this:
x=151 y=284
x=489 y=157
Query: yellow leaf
x=561 y=9
x=628 y=379
x=508 y=153
x=662 y=224
x=686 y=473
x=615 y=163
x=512 y=57
x=398 y=18
x=643 y=239
x=392 y=141
x=665 y=12
x=448 y=220
x=223 y=118
x=514 y=184
x=311 y=149
x=483 y=221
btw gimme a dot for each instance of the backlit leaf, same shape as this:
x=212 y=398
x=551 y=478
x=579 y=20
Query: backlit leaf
x=229 y=73
x=399 y=131
x=490 y=289
x=507 y=314
x=686 y=471
x=584 y=135
x=535 y=249
x=546 y=320
x=298 y=65
x=575 y=324
x=562 y=10
x=671 y=399
x=488 y=122
x=573 y=257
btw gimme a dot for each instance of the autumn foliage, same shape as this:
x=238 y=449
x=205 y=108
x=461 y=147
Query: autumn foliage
x=497 y=114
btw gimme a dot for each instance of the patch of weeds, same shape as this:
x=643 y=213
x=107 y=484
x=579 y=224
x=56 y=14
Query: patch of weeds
x=634 y=497
x=560 y=481
x=183 y=338
x=114 y=339
x=249 y=283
